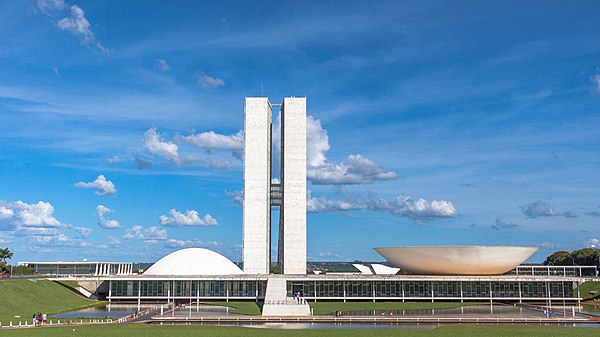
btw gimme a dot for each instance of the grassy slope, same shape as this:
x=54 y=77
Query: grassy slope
x=24 y=297
x=139 y=330
x=586 y=287
x=245 y=308
x=323 y=308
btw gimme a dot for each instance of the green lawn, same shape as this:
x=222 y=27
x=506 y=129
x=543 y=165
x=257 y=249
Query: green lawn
x=586 y=287
x=24 y=297
x=244 y=308
x=324 y=308
x=142 y=330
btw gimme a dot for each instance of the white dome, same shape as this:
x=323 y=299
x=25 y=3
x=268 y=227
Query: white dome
x=194 y=261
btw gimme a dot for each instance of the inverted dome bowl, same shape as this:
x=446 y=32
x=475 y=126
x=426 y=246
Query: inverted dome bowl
x=457 y=260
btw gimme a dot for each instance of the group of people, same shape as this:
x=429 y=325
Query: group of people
x=40 y=319
x=298 y=298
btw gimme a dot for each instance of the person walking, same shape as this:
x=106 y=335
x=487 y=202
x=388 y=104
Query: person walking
x=44 y=319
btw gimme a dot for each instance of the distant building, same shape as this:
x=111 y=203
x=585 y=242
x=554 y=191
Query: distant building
x=80 y=268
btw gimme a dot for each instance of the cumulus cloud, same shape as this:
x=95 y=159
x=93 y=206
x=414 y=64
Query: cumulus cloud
x=103 y=222
x=403 y=205
x=101 y=184
x=540 y=208
x=75 y=23
x=593 y=242
x=214 y=141
x=317 y=142
x=569 y=214
x=209 y=81
x=501 y=224
x=162 y=65
x=152 y=233
x=155 y=146
x=20 y=214
x=189 y=218
x=355 y=169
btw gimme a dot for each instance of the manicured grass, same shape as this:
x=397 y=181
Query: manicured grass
x=588 y=286
x=324 y=308
x=142 y=330
x=24 y=297
x=244 y=308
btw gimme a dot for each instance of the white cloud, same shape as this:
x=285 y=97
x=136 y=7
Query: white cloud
x=112 y=241
x=103 y=222
x=190 y=218
x=355 y=169
x=152 y=233
x=79 y=26
x=596 y=80
x=156 y=146
x=51 y=7
x=101 y=184
x=540 y=208
x=592 y=242
x=501 y=224
x=6 y=213
x=21 y=214
x=162 y=65
x=403 y=205
x=214 y=141
x=238 y=196
x=210 y=82
x=83 y=231
x=317 y=143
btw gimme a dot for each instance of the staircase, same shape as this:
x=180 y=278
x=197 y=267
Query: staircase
x=278 y=304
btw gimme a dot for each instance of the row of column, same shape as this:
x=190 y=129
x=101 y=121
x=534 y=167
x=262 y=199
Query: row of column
x=113 y=269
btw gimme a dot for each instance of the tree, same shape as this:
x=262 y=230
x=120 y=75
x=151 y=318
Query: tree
x=5 y=254
x=560 y=258
x=582 y=257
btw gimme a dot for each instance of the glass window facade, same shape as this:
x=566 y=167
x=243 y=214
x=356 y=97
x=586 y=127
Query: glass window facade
x=188 y=289
x=351 y=289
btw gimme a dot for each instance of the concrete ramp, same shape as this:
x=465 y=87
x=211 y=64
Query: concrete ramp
x=277 y=303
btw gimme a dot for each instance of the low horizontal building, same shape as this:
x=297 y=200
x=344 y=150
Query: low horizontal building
x=145 y=288
x=80 y=268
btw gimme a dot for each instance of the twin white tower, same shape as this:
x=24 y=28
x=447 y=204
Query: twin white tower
x=261 y=191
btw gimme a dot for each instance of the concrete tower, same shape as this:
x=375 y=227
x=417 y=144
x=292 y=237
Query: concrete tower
x=256 y=240
x=260 y=193
x=292 y=216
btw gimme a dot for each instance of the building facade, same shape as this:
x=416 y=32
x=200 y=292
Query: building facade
x=262 y=191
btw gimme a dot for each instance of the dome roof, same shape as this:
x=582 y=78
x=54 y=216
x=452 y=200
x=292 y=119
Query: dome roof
x=194 y=261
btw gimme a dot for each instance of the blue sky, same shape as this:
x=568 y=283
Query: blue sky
x=431 y=123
